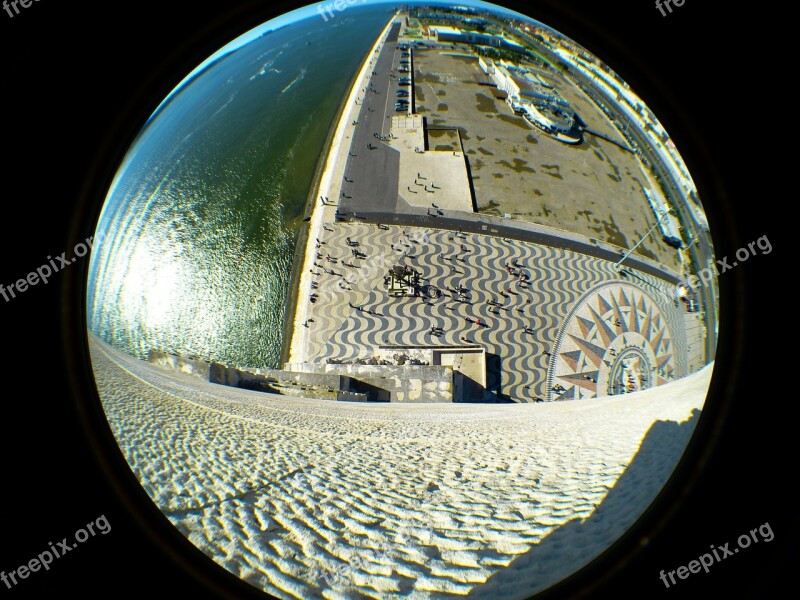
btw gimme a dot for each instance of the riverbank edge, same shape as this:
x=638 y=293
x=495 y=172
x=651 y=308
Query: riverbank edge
x=311 y=204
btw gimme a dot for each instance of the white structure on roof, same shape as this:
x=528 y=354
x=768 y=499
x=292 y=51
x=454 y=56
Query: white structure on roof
x=539 y=103
x=446 y=33
x=669 y=226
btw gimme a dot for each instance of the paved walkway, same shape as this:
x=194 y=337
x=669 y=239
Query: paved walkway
x=371 y=168
x=514 y=229
x=329 y=189
x=354 y=314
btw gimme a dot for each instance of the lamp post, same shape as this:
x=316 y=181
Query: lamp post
x=644 y=237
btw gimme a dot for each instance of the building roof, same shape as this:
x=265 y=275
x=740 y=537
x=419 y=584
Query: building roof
x=439 y=29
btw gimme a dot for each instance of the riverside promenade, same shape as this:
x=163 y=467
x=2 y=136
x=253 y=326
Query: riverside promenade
x=538 y=299
x=330 y=187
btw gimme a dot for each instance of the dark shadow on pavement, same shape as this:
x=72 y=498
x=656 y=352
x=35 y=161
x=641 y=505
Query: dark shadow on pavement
x=572 y=546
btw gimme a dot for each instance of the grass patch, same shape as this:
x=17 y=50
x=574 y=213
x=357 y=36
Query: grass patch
x=518 y=121
x=485 y=103
x=613 y=233
x=447 y=138
x=442 y=107
x=530 y=138
x=519 y=166
x=427 y=78
x=490 y=209
x=647 y=252
x=553 y=171
x=466 y=59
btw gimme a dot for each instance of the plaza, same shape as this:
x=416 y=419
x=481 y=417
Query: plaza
x=510 y=296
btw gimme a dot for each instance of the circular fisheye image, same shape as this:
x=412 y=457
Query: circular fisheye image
x=407 y=301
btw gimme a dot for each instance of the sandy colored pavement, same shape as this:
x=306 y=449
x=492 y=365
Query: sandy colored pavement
x=317 y=499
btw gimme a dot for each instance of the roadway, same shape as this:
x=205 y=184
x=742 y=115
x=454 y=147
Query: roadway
x=372 y=171
x=474 y=224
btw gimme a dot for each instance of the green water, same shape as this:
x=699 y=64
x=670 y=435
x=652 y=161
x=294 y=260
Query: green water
x=199 y=230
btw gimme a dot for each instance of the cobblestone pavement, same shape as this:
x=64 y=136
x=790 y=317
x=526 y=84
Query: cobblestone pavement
x=353 y=313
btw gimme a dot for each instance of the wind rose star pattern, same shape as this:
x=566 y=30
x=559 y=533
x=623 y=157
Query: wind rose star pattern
x=616 y=341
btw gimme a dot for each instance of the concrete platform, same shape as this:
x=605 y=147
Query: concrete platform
x=429 y=177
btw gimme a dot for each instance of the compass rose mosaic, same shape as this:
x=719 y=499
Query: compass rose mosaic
x=615 y=341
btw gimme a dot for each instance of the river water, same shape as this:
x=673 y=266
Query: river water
x=199 y=229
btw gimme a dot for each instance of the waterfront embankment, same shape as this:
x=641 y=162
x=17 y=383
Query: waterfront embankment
x=329 y=186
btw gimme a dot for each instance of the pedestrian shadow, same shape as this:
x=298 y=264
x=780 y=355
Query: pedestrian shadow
x=578 y=542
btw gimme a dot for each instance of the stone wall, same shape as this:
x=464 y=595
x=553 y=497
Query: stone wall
x=370 y=383
x=180 y=364
x=392 y=383
x=309 y=385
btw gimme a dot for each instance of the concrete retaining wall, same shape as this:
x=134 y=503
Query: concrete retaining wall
x=180 y=364
x=390 y=383
x=370 y=383
x=309 y=385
